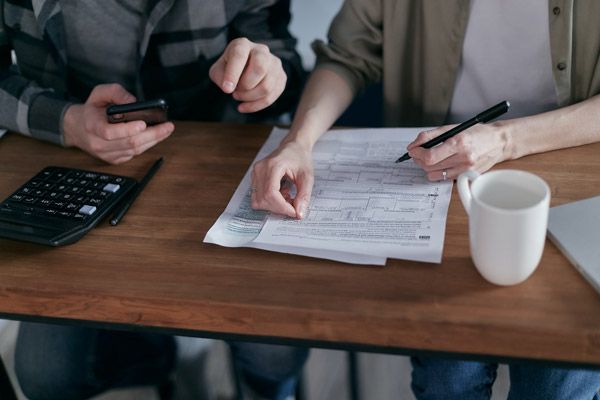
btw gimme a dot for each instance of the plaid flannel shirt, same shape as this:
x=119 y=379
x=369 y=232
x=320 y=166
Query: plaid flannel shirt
x=181 y=39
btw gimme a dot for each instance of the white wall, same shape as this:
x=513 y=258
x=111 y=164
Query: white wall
x=310 y=21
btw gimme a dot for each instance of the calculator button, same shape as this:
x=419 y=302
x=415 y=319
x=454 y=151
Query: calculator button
x=51 y=212
x=7 y=211
x=45 y=202
x=34 y=183
x=74 y=189
x=47 y=185
x=83 y=182
x=111 y=187
x=58 y=175
x=79 y=217
x=16 y=198
x=59 y=204
x=54 y=195
x=80 y=199
x=104 y=178
x=45 y=174
x=118 y=180
x=72 y=207
x=66 y=196
x=87 y=210
x=38 y=193
x=94 y=201
x=27 y=190
x=96 y=185
x=89 y=192
x=65 y=214
x=90 y=175
x=29 y=200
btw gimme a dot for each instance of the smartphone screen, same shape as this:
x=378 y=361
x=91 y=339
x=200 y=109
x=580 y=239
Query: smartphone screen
x=152 y=112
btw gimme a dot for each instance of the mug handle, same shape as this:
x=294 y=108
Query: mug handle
x=463 y=188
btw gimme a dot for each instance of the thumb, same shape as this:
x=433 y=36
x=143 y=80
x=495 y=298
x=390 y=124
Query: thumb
x=110 y=94
x=304 y=184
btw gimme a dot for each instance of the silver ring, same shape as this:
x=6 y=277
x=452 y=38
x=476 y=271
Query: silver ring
x=444 y=174
x=252 y=190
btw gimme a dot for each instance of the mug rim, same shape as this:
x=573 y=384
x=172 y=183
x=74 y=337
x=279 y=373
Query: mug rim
x=546 y=188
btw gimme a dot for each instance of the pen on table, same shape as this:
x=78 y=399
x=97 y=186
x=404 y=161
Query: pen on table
x=485 y=116
x=124 y=206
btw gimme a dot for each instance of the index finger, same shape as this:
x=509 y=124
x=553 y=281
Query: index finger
x=426 y=136
x=121 y=130
x=268 y=197
x=236 y=57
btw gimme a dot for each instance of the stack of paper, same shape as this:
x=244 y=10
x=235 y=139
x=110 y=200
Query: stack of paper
x=364 y=207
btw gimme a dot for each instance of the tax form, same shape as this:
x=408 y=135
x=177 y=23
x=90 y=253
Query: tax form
x=364 y=207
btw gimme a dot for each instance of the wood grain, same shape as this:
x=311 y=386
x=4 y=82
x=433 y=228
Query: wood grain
x=153 y=270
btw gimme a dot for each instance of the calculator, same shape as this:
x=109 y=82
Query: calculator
x=59 y=205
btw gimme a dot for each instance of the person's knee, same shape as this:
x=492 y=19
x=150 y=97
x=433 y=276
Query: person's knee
x=527 y=381
x=44 y=369
x=269 y=362
x=434 y=378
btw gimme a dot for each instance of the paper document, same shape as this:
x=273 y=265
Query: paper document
x=364 y=207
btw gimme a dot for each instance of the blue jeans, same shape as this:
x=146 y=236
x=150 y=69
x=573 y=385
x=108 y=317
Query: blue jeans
x=55 y=362
x=471 y=380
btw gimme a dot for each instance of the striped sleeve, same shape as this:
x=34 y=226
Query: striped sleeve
x=30 y=109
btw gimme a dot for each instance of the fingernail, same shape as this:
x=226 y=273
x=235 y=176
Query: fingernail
x=141 y=127
x=301 y=211
x=228 y=86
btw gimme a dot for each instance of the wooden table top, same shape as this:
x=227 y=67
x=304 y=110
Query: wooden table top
x=153 y=271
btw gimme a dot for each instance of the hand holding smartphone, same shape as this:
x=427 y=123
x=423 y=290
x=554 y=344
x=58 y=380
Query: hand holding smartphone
x=152 y=112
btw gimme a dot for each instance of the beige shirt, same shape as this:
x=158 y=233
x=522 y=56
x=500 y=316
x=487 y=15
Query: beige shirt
x=415 y=46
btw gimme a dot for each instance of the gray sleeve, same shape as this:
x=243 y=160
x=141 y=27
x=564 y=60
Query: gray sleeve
x=26 y=107
x=355 y=43
x=30 y=109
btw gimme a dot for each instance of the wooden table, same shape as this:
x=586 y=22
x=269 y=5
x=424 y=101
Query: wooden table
x=153 y=272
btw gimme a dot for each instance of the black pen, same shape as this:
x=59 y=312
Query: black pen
x=124 y=206
x=485 y=116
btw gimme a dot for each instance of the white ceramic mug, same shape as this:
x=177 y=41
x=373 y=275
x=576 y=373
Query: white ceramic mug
x=508 y=216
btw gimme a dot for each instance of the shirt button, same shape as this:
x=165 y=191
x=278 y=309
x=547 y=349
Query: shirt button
x=561 y=66
x=556 y=10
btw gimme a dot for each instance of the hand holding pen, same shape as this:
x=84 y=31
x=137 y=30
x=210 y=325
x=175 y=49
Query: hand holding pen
x=477 y=147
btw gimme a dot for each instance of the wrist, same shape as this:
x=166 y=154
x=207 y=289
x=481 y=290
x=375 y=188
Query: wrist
x=71 y=124
x=509 y=150
x=299 y=139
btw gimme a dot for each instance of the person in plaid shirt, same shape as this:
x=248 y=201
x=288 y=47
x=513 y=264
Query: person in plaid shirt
x=217 y=60
x=73 y=59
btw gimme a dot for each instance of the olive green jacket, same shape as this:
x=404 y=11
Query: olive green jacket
x=414 y=47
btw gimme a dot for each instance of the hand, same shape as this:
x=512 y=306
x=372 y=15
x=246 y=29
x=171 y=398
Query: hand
x=251 y=73
x=291 y=161
x=85 y=126
x=478 y=148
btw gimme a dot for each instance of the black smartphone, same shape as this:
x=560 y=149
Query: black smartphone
x=152 y=112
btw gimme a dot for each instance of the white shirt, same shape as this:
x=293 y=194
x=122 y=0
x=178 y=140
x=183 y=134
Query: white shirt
x=506 y=56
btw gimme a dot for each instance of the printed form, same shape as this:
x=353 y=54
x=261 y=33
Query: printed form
x=364 y=207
